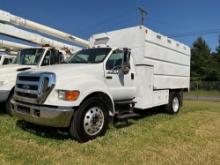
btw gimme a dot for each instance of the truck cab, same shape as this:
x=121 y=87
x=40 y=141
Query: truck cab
x=117 y=69
x=27 y=59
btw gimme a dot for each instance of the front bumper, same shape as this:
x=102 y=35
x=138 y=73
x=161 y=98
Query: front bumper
x=43 y=115
x=4 y=95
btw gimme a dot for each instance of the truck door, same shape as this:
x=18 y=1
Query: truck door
x=52 y=57
x=121 y=86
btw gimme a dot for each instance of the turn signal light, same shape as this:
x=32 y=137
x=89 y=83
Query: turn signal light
x=71 y=95
x=68 y=95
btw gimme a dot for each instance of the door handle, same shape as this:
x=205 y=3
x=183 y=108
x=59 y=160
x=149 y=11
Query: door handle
x=132 y=76
x=108 y=77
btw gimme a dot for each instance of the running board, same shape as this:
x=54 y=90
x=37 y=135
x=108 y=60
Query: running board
x=126 y=116
x=124 y=102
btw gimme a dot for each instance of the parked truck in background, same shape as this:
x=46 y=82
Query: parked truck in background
x=6 y=59
x=9 y=51
x=27 y=59
x=50 y=51
x=123 y=70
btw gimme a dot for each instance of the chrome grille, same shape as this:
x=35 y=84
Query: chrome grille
x=34 y=88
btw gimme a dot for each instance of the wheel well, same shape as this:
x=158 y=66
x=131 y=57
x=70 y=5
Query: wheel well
x=106 y=99
x=11 y=93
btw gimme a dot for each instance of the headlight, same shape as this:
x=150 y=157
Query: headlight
x=68 y=95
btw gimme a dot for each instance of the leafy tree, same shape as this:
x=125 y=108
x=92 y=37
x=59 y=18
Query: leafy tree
x=217 y=59
x=218 y=48
x=218 y=52
x=200 y=60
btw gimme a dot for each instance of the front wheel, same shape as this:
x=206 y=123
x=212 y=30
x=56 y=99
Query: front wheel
x=90 y=120
x=8 y=106
x=173 y=107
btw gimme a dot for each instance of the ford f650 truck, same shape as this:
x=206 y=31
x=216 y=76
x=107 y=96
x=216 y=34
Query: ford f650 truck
x=132 y=68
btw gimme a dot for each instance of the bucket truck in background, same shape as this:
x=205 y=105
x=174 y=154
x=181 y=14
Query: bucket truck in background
x=9 y=50
x=50 y=51
x=12 y=45
x=6 y=58
x=9 y=18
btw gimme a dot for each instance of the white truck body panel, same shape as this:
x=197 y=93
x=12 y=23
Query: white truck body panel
x=169 y=60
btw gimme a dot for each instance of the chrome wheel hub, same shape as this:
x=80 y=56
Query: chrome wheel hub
x=93 y=121
x=175 y=104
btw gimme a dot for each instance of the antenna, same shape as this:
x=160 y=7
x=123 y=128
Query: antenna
x=143 y=13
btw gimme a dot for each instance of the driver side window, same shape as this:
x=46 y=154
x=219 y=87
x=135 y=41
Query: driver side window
x=46 y=60
x=52 y=57
x=115 y=60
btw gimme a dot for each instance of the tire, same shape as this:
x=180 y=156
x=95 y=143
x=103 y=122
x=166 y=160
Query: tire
x=173 y=107
x=8 y=107
x=89 y=121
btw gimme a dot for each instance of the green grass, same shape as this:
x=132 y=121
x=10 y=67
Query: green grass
x=191 y=137
x=203 y=93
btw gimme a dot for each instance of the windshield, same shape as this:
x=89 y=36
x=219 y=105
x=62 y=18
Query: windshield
x=30 y=56
x=95 y=55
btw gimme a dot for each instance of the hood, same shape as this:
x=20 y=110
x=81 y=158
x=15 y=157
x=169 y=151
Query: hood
x=14 y=67
x=69 y=74
x=64 y=70
x=10 y=71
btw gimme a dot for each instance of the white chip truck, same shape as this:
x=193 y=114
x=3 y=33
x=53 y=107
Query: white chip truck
x=123 y=70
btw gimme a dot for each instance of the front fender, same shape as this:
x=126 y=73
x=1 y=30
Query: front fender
x=8 y=86
x=86 y=86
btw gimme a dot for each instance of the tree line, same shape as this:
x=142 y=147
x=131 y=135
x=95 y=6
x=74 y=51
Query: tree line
x=205 y=64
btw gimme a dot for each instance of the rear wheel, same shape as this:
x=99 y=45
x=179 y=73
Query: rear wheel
x=173 y=107
x=90 y=120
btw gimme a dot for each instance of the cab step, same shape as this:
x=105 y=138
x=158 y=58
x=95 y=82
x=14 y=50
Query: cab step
x=127 y=116
x=124 y=107
x=125 y=102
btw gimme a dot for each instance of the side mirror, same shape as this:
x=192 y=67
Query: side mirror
x=125 y=69
x=126 y=61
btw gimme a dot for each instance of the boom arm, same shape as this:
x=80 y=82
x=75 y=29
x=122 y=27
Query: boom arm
x=14 y=32
x=18 y=21
x=12 y=45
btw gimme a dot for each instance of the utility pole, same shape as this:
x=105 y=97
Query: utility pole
x=143 y=13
